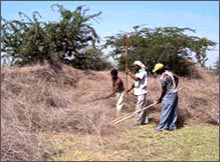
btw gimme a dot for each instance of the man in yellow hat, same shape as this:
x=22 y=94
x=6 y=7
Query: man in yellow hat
x=140 y=90
x=169 y=82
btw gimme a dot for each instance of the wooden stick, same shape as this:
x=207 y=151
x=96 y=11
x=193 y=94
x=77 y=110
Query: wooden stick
x=122 y=117
x=126 y=59
x=179 y=89
x=133 y=113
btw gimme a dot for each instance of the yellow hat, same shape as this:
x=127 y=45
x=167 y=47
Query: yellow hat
x=158 y=66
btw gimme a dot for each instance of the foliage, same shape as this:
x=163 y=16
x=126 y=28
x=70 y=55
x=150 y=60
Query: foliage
x=92 y=59
x=29 y=40
x=168 y=45
x=216 y=67
x=24 y=41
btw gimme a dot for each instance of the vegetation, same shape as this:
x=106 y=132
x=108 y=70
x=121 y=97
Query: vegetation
x=216 y=67
x=47 y=115
x=168 y=45
x=28 y=41
x=194 y=142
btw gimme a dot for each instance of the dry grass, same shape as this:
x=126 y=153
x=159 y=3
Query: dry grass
x=38 y=100
x=198 y=100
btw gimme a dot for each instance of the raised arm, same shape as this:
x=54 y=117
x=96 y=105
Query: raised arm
x=132 y=75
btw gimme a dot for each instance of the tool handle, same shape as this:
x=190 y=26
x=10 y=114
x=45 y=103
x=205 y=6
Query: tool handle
x=122 y=118
x=132 y=114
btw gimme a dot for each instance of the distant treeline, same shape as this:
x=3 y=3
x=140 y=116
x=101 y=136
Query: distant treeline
x=73 y=40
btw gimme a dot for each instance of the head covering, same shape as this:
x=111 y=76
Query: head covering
x=157 y=67
x=142 y=66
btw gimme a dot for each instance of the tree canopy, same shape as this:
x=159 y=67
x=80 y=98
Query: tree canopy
x=167 y=45
x=30 y=40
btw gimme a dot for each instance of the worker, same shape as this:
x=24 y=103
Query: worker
x=169 y=82
x=140 y=91
x=117 y=88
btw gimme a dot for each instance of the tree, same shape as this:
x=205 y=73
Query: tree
x=30 y=41
x=24 y=41
x=93 y=59
x=216 y=67
x=73 y=33
x=168 y=45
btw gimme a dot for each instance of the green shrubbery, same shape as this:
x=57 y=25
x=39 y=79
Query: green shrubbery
x=168 y=45
x=29 y=41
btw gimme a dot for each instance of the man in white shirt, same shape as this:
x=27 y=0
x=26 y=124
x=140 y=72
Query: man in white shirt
x=140 y=91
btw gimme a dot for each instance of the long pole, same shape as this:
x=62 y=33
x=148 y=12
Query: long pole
x=126 y=60
x=132 y=114
x=122 y=118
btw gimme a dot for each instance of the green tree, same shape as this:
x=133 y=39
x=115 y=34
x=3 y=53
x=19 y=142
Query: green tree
x=216 y=67
x=92 y=59
x=30 y=41
x=168 y=45
x=24 y=41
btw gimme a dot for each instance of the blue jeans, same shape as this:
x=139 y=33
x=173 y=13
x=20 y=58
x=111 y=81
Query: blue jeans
x=169 y=112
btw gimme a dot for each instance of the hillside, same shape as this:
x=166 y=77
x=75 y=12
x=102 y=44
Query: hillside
x=43 y=111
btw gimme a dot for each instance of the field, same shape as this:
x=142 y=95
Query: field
x=194 y=142
x=46 y=115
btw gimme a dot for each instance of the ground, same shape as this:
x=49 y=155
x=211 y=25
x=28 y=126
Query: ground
x=51 y=115
x=143 y=143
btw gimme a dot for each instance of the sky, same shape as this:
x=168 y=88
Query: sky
x=121 y=16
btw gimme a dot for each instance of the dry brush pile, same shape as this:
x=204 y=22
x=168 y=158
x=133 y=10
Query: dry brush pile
x=38 y=100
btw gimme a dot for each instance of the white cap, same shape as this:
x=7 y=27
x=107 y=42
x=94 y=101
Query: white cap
x=139 y=63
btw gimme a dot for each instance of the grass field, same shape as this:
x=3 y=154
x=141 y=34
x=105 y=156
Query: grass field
x=143 y=143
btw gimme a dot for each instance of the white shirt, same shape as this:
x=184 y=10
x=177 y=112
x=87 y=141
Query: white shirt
x=140 y=86
x=168 y=80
